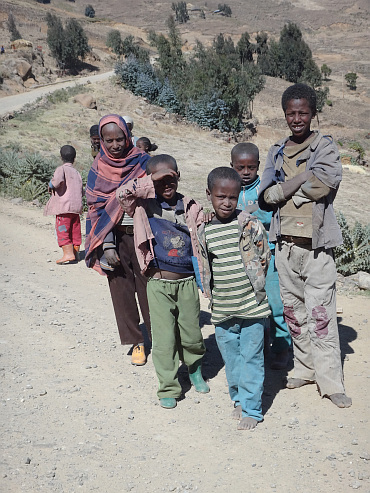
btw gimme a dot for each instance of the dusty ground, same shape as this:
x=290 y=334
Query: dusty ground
x=77 y=417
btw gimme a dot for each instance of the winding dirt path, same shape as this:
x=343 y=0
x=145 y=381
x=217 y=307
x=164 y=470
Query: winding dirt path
x=9 y=104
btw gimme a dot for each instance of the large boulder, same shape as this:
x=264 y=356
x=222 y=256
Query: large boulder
x=86 y=100
x=17 y=67
x=24 y=69
x=364 y=280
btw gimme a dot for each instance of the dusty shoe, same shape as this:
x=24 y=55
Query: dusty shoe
x=168 y=402
x=196 y=378
x=76 y=250
x=68 y=255
x=138 y=357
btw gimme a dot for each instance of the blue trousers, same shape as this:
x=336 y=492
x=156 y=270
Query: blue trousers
x=240 y=342
x=279 y=331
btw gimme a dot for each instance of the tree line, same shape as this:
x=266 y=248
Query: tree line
x=215 y=86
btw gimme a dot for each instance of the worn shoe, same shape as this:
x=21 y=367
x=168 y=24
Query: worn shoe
x=138 y=357
x=76 y=250
x=68 y=255
x=196 y=378
x=168 y=402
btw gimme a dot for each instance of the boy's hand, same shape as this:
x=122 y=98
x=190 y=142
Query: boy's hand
x=164 y=173
x=112 y=257
x=51 y=190
x=208 y=216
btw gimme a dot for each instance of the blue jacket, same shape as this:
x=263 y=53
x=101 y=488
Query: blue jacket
x=248 y=200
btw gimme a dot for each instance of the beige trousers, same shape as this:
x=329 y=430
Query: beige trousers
x=307 y=282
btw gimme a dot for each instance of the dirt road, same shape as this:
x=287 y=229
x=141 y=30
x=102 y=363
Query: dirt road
x=16 y=102
x=77 y=417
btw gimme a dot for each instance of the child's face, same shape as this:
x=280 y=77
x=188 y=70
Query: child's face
x=247 y=167
x=165 y=181
x=95 y=140
x=224 y=197
x=298 y=116
x=142 y=146
x=114 y=140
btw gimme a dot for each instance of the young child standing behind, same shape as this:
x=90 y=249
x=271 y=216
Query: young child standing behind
x=245 y=161
x=66 y=204
x=165 y=224
x=235 y=257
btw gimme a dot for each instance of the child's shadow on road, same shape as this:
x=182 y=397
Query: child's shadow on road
x=347 y=334
x=212 y=361
x=275 y=379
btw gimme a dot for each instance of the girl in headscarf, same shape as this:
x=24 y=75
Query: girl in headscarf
x=109 y=245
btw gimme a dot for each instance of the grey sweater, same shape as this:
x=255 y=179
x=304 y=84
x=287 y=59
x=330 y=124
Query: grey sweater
x=322 y=158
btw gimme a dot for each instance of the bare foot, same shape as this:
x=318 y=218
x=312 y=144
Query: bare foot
x=247 y=423
x=296 y=383
x=237 y=413
x=340 y=400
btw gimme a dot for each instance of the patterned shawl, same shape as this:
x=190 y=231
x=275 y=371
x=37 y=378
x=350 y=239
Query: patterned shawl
x=105 y=176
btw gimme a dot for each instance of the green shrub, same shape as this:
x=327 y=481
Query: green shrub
x=356 y=146
x=224 y=9
x=69 y=44
x=25 y=175
x=63 y=95
x=354 y=255
x=14 y=33
x=351 y=80
x=181 y=12
x=90 y=11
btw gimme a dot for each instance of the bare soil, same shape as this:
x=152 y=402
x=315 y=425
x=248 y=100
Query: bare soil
x=76 y=415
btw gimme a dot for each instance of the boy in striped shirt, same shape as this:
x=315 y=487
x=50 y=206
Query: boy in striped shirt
x=235 y=258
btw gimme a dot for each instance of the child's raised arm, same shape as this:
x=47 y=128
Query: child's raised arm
x=130 y=193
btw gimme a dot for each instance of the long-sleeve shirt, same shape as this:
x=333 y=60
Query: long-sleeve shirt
x=67 y=196
x=321 y=158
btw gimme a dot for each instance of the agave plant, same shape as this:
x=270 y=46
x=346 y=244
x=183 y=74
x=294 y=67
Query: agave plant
x=354 y=254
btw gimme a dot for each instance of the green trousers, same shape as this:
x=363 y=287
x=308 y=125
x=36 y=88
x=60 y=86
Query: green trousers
x=174 y=315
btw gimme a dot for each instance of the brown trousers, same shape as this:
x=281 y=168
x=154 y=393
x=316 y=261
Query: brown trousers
x=124 y=282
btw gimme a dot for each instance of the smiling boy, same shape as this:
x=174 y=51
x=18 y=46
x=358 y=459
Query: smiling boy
x=165 y=225
x=299 y=184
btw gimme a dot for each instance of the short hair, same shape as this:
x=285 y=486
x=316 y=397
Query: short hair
x=94 y=130
x=300 y=91
x=146 y=141
x=68 y=154
x=223 y=173
x=245 y=148
x=161 y=158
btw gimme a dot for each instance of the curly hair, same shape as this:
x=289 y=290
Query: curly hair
x=245 y=148
x=299 y=91
x=153 y=162
x=222 y=173
x=68 y=154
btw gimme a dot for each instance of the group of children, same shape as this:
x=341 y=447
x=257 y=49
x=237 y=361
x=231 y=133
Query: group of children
x=230 y=255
